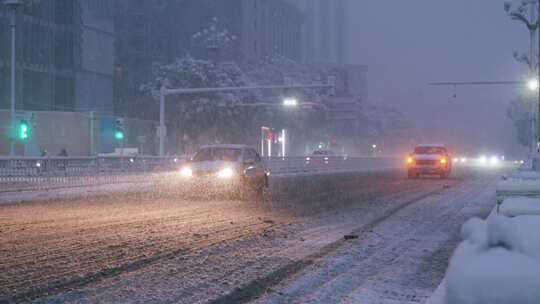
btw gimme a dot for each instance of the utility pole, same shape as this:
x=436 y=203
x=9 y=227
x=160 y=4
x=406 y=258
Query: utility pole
x=538 y=71
x=12 y=5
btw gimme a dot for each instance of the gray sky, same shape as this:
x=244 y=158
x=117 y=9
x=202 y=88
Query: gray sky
x=407 y=44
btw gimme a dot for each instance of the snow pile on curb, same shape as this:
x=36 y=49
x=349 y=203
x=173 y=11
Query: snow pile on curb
x=516 y=206
x=517 y=185
x=498 y=262
x=525 y=174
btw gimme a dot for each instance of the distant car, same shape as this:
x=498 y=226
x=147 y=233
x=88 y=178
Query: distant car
x=233 y=169
x=320 y=157
x=432 y=159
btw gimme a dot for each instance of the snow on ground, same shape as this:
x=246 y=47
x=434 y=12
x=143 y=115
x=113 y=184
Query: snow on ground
x=399 y=260
x=157 y=247
x=166 y=247
x=517 y=185
x=498 y=262
x=515 y=206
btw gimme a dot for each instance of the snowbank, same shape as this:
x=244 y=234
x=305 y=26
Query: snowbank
x=498 y=262
x=518 y=185
x=525 y=174
x=515 y=206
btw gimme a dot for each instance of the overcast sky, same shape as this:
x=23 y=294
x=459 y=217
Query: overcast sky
x=407 y=44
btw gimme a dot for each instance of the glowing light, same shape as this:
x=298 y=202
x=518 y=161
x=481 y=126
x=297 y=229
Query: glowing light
x=119 y=135
x=226 y=173
x=494 y=159
x=186 y=172
x=290 y=102
x=443 y=161
x=483 y=159
x=410 y=160
x=533 y=84
x=463 y=160
x=456 y=159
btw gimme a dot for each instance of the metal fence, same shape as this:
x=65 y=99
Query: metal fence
x=35 y=173
x=38 y=173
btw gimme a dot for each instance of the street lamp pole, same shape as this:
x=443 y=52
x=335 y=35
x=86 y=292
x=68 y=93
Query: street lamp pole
x=538 y=71
x=12 y=4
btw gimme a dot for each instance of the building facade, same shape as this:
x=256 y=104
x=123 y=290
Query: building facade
x=324 y=34
x=64 y=64
x=64 y=56
x=154 y=31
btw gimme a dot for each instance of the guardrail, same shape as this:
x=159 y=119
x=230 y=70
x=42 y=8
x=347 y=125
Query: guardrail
x=39 y=173
x=36 y=173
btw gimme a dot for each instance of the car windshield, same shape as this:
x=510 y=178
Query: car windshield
x=429 y=150
x=217 y=154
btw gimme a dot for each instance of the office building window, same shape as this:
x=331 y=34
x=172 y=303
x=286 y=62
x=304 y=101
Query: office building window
x=64 y=57
x=64 y=89
x=64 y=11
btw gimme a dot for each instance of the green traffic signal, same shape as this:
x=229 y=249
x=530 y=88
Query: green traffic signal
x=23 y=130
x=118 y=135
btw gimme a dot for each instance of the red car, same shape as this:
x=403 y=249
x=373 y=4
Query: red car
x=429 y=159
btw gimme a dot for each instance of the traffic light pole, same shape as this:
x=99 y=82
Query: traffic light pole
x=165 y=91
x=12 y=25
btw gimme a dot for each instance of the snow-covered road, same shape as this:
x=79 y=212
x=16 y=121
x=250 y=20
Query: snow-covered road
x=399 y=260
x=155 y=247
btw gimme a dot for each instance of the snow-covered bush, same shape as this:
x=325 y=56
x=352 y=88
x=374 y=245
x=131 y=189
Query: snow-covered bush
x=497 y=263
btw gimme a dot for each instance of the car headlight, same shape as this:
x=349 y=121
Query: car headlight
x=410 y=160
x=225 y=173
x=186 y=172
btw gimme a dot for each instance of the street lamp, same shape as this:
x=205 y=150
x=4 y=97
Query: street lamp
x=12 y=5
x=290 y=102
x=533 y=84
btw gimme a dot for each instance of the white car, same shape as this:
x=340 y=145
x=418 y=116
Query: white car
x=225 y=168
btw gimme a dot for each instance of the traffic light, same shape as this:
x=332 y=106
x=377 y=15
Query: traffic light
x=119 y=129
x=24 y=129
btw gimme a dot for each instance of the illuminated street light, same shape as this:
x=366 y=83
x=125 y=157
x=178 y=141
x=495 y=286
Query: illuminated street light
x=290 y=102
x=374 y=146
x=533 y=84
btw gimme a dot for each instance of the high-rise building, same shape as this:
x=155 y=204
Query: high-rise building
x=153 y=31
x=325 y=30
x=64 y=56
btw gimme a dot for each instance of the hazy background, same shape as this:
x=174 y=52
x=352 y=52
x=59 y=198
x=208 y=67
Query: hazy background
x=407 y=44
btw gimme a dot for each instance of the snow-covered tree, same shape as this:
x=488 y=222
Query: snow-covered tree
x=519 y=11
x=207 y=117
x=519 y=110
